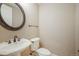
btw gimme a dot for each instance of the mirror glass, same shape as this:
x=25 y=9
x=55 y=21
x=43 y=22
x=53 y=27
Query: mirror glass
x=11 y=14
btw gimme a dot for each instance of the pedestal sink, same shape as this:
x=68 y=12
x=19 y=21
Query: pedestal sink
x=14 y=48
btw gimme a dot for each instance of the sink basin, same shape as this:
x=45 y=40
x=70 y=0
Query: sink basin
x=7 y=49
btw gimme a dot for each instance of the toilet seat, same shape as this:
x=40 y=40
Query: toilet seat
x=43 y=52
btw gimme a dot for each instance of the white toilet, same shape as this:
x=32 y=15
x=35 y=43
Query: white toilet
x=39 y=51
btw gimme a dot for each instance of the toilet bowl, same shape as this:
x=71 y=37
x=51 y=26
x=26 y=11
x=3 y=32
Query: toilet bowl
x=39 y=51
x=43 y=52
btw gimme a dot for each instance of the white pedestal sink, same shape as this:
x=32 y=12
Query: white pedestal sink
x=14 y=49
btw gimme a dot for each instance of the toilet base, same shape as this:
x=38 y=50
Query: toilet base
x=36 y=54
x=41 y=52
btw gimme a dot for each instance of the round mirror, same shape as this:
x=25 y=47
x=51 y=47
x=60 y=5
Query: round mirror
x=12 y=16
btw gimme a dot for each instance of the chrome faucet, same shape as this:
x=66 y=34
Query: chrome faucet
x=15 y=37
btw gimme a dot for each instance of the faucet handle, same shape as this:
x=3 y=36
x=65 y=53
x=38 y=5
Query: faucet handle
x=9 y=42
x=19 y=39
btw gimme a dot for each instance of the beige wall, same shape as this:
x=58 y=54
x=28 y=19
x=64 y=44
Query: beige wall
x=57 y=27
x=5 y=34
x=31 y=12
x=77 y=29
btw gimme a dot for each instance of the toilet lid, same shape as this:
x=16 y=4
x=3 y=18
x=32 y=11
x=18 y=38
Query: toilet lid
x=43 y=51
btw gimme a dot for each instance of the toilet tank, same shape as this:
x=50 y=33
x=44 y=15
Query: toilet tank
x=35 y=43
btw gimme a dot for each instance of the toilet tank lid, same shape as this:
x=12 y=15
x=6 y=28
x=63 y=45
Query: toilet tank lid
x=35 y=39
x=43 y=51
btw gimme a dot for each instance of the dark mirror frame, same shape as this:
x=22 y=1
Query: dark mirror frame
x=5 y=25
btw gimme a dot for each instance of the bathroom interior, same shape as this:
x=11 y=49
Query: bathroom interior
x=39 y=29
